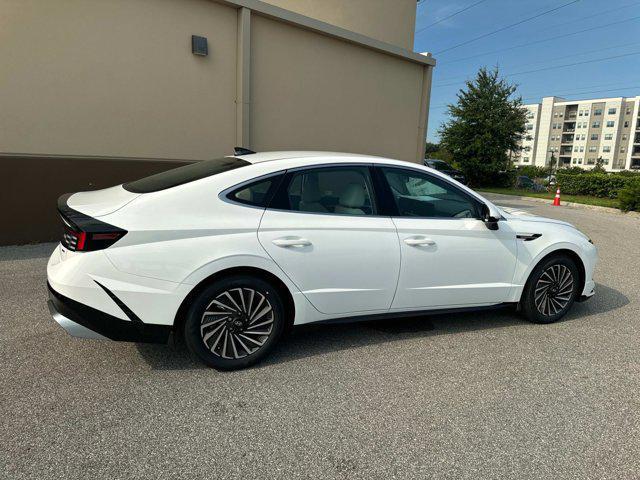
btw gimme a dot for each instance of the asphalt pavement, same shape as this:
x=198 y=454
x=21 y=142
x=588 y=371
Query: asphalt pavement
x=479 y=395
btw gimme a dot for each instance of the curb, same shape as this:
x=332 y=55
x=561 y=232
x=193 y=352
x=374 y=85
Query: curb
x=583 y=206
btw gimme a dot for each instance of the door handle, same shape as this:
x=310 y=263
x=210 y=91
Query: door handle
x=291 y=242
x=419 y=241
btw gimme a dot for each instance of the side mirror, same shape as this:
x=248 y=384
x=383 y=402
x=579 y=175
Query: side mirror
x=490 y=217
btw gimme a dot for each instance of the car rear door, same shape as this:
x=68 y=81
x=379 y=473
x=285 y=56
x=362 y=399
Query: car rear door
x=449 y=257
x=323 y=229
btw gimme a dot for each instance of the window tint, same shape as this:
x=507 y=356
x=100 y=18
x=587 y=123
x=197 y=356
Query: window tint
x=420 y=195
x=186 y=174
x=257 y=193
x=335 y=190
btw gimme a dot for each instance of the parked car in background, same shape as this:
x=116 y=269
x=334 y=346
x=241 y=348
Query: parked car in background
x=230 y=253
x=526 y=183
x=444 y=167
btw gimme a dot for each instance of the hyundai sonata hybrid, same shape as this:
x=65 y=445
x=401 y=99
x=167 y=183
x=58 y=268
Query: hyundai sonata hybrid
x=232 y=252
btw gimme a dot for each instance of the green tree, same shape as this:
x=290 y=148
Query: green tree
x=599 y=166
x=485 y=124
x=430 y=148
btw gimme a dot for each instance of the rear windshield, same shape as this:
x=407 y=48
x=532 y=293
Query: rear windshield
x=186 y=174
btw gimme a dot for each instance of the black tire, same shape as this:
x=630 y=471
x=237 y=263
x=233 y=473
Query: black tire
x=547 y=297
x=231 y=343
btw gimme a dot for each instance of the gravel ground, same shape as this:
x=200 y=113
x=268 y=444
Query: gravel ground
x=475 y=396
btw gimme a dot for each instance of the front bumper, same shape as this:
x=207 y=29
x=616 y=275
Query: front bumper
x=83 y=321
x=588 y=292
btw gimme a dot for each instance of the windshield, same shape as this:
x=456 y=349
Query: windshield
x=186 y=174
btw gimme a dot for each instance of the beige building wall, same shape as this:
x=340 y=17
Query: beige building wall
x=99 y=92
x=391 y=21
x=305 y=96
x=117 y=78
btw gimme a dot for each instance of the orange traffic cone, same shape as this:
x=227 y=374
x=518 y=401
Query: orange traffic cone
x=556 y=201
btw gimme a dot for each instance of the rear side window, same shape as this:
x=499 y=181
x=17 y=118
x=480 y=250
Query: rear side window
x=182 y=175
x=258 y=193
x=332 y=190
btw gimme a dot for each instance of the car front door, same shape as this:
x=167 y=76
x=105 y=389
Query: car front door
x=323 y=231
x=449 y=257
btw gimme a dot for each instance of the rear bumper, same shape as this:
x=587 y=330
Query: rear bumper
x=83 y=321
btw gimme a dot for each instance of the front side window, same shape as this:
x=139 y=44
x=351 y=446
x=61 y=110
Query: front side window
x=420 y=195
x=332 y=190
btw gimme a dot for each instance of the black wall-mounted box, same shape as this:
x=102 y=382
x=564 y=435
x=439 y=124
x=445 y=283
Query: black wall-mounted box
x=199 y=45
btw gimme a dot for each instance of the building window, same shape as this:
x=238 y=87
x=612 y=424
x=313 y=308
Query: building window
x=628 y=111
x=529 y=126
x=529 y=138
x=624 y=136
x=555 y=114
x=594 y=136
x=606 y=161
x=626 y=124
x=597 y=111
x=579 y=161
x=591 y=161
x=575 y=149
x=525 y=159
x=596 y=124
x=610 y=123
x=612 y=111
x=582 y=148
x=593 y=148
x=622 y=149
x=580 y=113
x=608 y=136
x=606 y=149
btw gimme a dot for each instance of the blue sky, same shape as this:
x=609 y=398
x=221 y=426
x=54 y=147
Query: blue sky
x=595 y=79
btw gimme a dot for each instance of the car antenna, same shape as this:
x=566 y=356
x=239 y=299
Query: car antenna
x=242 y=151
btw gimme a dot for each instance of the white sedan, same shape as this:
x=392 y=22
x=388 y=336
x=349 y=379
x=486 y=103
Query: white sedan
x=232 y=252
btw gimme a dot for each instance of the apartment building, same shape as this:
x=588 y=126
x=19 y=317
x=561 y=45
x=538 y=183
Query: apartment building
x=578 y=132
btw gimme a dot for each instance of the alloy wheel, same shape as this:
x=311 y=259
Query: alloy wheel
x=553 y=290
x=237 y=323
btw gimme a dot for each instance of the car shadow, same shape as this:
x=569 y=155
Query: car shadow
x=317 y=339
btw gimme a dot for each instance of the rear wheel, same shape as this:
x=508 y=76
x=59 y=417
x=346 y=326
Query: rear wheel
x=234 y=322
x=551 y=290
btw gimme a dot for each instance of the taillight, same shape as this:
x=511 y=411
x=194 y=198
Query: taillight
x=83 y=233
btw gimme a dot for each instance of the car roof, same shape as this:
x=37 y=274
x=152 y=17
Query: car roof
x=281 y=155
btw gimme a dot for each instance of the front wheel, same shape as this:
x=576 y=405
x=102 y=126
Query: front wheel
x=551 y=290
x=234 y=322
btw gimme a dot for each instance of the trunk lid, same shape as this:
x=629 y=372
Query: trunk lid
x=97 y=203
